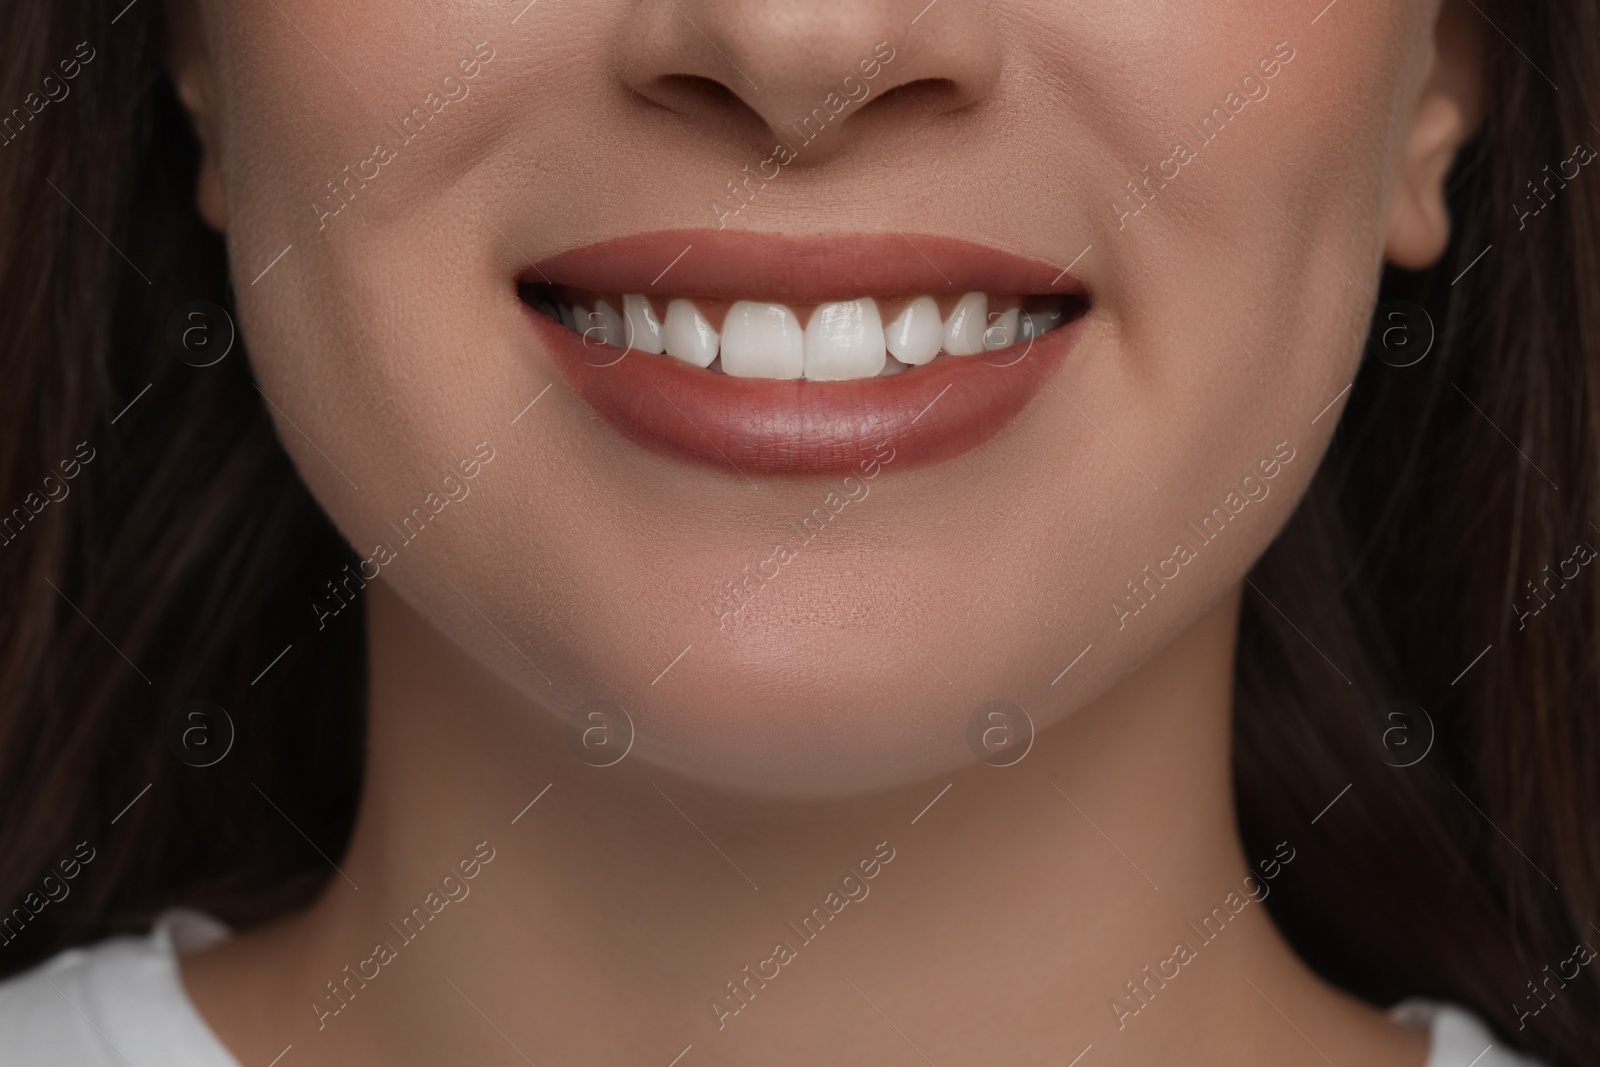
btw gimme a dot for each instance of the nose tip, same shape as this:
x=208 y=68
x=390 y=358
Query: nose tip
x=807 y=73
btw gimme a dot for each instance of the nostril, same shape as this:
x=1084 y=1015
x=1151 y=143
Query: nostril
x=696 y=87
x=692 y=94
x=701 y=99
x=935 y=95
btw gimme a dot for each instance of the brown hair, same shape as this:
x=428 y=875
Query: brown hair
x=180 y=564
x=1463 y=862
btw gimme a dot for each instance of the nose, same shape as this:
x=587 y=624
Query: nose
x=812 y=73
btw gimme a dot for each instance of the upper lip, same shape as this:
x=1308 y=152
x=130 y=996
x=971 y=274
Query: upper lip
x=781 y=268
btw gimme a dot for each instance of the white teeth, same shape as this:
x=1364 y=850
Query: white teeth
x=762 y=341
x=1039 y=321
x=844 y=341
x=643 y=331
x=603 y=325
x=916 y=335
x=688 y=336
x=963 y=330
x=1002 y=332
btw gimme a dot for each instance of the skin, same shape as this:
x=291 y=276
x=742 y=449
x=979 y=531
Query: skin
x=1228 y=315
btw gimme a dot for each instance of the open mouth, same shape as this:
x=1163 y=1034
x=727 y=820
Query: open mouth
x=767 y=354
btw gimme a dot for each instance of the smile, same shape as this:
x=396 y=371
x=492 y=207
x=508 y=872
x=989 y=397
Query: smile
x=783 y=355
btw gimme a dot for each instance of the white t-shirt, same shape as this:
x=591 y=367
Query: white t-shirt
x=121 y=1002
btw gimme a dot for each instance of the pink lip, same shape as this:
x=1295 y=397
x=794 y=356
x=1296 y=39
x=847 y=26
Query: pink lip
x=757 y=426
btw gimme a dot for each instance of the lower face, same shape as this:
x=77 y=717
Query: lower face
x=803 y=469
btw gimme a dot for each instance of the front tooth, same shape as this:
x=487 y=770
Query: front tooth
x=569 y=318
x=917 y=333
x=643 y=331
x=845 y=340
x=687 y=334
x=762 y=341
x=604 y=325
x=1002 y=333
x=963 y=330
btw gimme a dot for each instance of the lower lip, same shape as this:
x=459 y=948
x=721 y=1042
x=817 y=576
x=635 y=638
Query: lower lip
x=760 y=426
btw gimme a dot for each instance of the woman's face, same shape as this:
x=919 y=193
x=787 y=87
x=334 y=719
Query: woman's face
x=809 y=588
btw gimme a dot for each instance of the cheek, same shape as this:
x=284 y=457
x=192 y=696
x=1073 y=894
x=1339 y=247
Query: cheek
x=327 y=135
x=1243 y=282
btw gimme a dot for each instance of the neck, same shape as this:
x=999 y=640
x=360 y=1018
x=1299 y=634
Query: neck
x=1093 y=894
